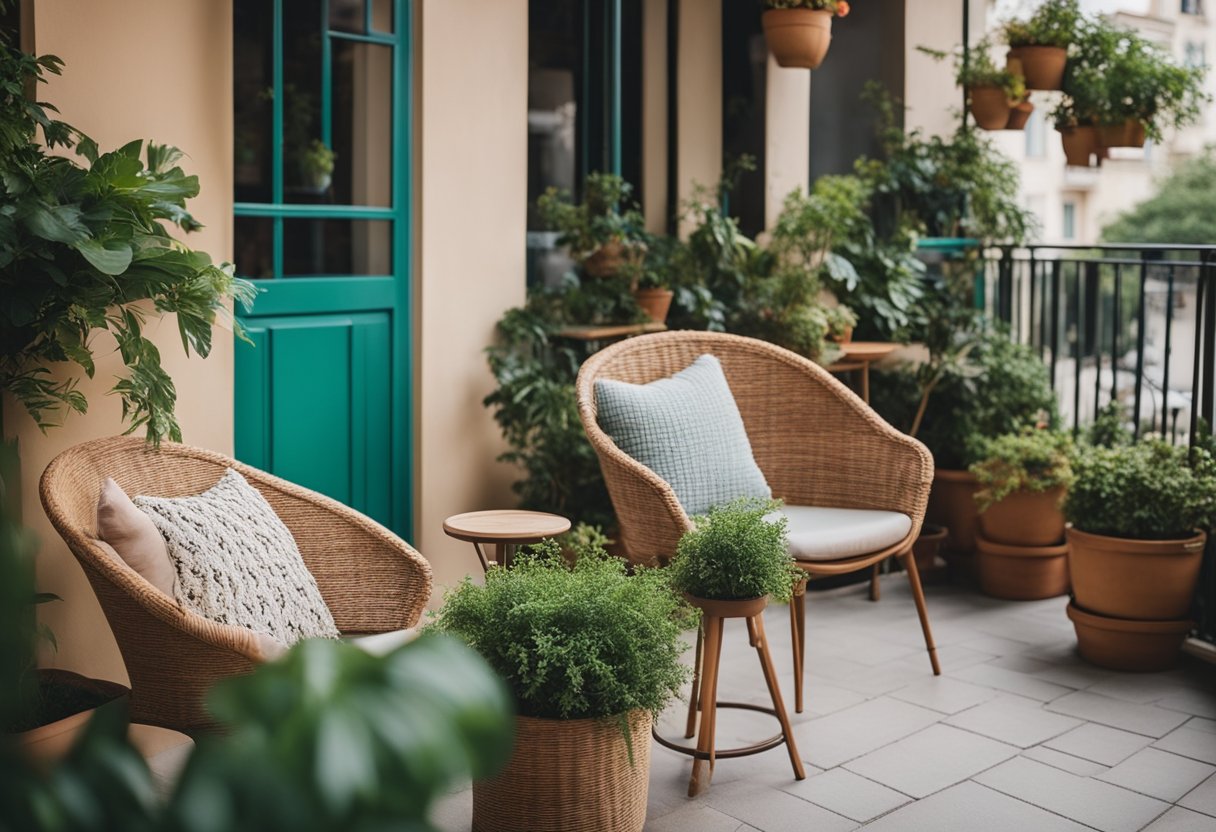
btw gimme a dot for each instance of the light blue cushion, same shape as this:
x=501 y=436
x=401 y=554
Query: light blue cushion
x=687 y=429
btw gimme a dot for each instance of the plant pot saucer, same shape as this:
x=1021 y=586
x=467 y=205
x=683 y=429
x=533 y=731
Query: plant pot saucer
x=730 y=607
x=1126 y=644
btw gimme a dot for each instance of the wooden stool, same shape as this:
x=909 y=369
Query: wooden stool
x=506 y=529
x=704 y=695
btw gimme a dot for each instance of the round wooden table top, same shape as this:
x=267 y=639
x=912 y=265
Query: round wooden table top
x=505 y=526
x=867 y=350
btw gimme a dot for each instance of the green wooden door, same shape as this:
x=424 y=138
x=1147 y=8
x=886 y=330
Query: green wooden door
x=322 y=183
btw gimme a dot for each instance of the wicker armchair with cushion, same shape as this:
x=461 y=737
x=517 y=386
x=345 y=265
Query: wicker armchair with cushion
x=854 y=488
x=371 y=580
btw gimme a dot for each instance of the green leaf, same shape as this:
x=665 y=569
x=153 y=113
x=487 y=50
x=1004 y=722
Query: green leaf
x=57 y=223
x=110 y=258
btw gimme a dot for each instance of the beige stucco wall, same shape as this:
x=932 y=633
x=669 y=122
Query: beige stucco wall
x=654 y=115
x=699 y=95
x=932 y=99
x=472 y=192
x=787 y=135
x=116 y=94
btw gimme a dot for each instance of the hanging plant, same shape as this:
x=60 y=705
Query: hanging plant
x=994 y=93
x=1038 y=45
x=799 y=32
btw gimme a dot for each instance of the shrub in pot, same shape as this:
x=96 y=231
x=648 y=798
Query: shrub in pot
x=604 y=232
x=993 y=92
x=799 y=32
x=591 y=654
x=1038 y=45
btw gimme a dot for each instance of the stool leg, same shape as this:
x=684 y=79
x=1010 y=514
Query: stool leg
x=755 y=629
x=798 y=621
x=694 y=695
x=918 y=595
x=703 y=770
x=875 y=591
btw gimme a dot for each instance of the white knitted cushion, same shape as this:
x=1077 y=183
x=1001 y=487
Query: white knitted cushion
x=238 y=564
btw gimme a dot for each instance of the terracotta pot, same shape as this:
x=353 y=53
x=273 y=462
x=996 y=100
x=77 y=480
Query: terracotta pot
x=729 y=608
x=654 y=302
x=1019 y=115
x=608 y=259
x=1025 y=518
x=569 y=774
x=1146 y=580
x=47 y=744
x=1079 y=144
x=844 y=337
x=1128 y=134
x=952 y=504
x=798 y=37
x=1042 y=66
x=1021 y=573
x=990 y=106
x=925 y=548
x=1120 y=644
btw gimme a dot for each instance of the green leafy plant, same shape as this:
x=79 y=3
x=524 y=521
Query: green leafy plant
x=84 y=248
x=1054 y=23
x=1149 y=490
x=1182 y=211
x=975 y=68
x=316 y=161
x=840 y=8
x=735 y=552
x=1031 y=460
x=588 y=641
x=841 y=320
x=605 y=215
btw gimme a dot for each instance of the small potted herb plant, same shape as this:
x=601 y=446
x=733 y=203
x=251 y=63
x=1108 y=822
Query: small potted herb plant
x=1146 y=91
x=996 y=94
x=1022 y=480
x=799 y=32
x=650 y=284
x=841 y=321
x=1139 y=514
x=605 y=232
x=591 y=655
x=1038 y=45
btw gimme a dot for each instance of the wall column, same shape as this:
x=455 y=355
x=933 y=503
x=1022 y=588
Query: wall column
x=699 y=104
x=787 y=135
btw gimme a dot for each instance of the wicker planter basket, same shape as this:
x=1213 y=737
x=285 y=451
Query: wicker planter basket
x=569 y=775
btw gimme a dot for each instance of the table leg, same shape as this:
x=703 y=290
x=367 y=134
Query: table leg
x=865 y=382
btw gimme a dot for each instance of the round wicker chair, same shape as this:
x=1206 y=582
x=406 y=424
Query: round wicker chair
x=816 y=441
x=372 y=581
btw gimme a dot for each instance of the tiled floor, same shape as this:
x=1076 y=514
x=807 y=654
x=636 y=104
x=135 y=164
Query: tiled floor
x=1017 y=734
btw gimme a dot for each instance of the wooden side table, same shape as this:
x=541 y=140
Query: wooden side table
x=506 y=529
x=859 y=355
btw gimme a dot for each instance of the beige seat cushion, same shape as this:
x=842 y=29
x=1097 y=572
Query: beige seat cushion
x=134 y=536
x=378 y=644
x=817 y=533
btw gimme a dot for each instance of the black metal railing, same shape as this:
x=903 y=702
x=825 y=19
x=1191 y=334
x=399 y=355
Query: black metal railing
x=1128 y=322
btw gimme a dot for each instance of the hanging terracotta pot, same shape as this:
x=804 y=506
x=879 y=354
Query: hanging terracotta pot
x=990 y=106
x=654 y=302
x=798 y=37
x=1129 y=133
x=1041 y=66
x=1079 y=144
x=1019 y=115
x=1123 y=644
x=1021 y=573
x=1136 y=579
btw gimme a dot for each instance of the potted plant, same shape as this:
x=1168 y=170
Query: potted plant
x=1022 y=480
x=605 y=232
x=650 y=286
x=591 y=655
x=841 y=321
x=1139 y=515
x=1019 y=115
x=993 y=93
x=799 y=32
x=1038 y=45
x=1146 y=91
x=316 y=165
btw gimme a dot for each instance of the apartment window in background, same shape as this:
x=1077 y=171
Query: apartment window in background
x=1036 y=135
x=1068 y=229
x=1192 y=6
x=1196 y=54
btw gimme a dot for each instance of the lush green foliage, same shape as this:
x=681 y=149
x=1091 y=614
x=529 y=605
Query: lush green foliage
x=735 y=552
x=574 y=642
x=1054 y=23
x=975 y=68
x=836 y=7
x=82 y=247
x=1031 y=460
x=1148 y=490
x=605 y=214
x=1182 y=211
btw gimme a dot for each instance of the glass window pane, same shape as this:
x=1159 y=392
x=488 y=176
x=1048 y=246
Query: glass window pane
x=337 y=247
x=253 y=94
x=362 y=123
x=254 y=247
x=307 y=162
x=382 y=15
x=346 y=16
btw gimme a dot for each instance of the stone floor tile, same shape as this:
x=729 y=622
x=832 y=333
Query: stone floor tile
x=772 y=810
x=1071 y=671
x=1015 y=720
x=943 y=694
x=876 y=681
x=996 y=645
x=1191 y=701
x=1194 y=742
x=1202 y=798
x=845 y=793
x=1141 y=687
x=1011 y=681
x=693 y=818
x=1141 y=719
x=1022 y=663
x=831 y=740
x=1178 y=819
x=1100 y=743
x=956 y=657
x=1100 y=805
x=1200 y=724
x=1066 y=762
x=968 y=807
x=1159 y=774
x=932 y=759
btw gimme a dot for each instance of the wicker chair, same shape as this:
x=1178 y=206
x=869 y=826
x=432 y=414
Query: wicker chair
x=817 y=443
x=372 y=581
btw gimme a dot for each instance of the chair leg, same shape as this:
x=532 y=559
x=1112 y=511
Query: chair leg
x=918 y=595
x=703 y=769
x=755 y=629
x=798 y=636
x=875 y=591
x=694 y=700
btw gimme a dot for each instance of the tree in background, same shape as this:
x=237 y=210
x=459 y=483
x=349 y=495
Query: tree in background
x=1182 y=211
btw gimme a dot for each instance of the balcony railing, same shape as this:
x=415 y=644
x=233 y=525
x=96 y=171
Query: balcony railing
x=1133 y=323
